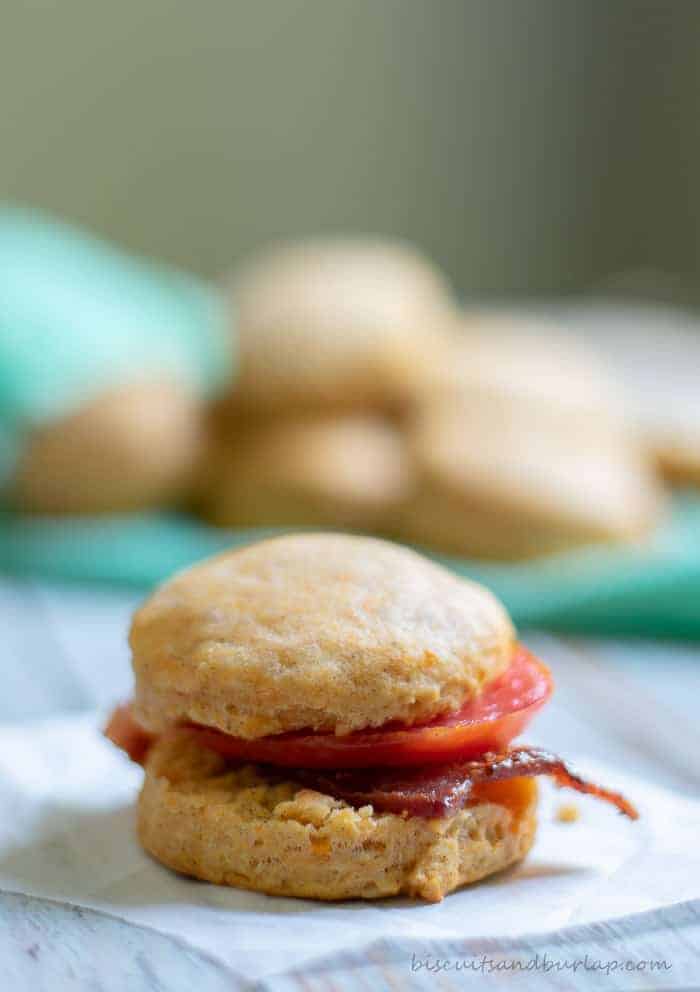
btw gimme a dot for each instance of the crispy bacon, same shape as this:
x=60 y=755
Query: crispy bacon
x=445 y=789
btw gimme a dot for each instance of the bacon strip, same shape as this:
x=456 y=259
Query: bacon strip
x=441 y=790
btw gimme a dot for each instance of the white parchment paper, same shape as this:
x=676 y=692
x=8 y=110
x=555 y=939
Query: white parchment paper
x=67 y=832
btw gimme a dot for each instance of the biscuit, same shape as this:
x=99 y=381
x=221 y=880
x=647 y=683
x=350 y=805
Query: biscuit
x=496 y=479
x=235 y=826
x=521 y=445
x=655 y=350
x=341 y=471
x=336 y=324
x=676 y=447
x=132 y=447
x=528 y=362
x=322 y=631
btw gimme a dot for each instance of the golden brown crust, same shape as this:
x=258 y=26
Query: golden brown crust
x=335 y=324
x=321 y=631
x=235 y=827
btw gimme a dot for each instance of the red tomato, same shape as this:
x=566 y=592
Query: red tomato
x=487 y=723
x=127 y=734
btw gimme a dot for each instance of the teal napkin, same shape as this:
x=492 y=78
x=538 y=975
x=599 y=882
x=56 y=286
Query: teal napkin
x=652 y=590
x=78 y=316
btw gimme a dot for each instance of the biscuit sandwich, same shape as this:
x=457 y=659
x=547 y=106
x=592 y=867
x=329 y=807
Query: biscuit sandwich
x=332 y=717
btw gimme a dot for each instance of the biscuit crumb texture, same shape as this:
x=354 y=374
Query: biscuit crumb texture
x=239 y=827
x=328 y=632
x=567 y=813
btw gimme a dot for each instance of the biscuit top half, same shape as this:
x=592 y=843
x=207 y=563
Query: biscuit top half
x=326 y=324
x=322 y=631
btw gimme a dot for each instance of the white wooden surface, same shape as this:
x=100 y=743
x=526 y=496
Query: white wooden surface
x=64 y=648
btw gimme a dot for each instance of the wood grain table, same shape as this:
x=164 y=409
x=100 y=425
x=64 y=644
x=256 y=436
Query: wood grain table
x=64 y=649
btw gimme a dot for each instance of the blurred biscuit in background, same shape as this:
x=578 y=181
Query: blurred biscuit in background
x=521 y=447
x=133 y=447
x=655 y=351
x=492 y=482
x=526 y=361
x=675 y=442
x=336 y=324
x=336 y=471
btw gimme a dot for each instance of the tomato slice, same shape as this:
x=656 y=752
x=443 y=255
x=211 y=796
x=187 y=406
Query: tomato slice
x=127 y=734
x=487 y=723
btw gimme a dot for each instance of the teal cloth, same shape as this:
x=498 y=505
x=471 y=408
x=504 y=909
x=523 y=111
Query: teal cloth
x=78 y=316
x=652 y=590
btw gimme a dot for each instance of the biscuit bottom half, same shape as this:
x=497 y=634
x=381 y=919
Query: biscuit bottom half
x=243 y=827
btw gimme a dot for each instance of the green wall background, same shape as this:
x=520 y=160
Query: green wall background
x=526 y=144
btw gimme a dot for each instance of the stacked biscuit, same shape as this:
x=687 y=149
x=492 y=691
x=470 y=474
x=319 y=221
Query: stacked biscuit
x=521 y=445
x=333 y=337
x=367 y=399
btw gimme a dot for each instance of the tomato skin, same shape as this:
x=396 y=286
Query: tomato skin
x=128 y=735
x=487 y=723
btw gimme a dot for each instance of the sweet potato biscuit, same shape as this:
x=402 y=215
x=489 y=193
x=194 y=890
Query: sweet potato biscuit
x=496 y=479
x=522 y=445
x=322 y=631
x=328 y=324
x=240 y=827
x=528 y=363
x=133 y=447
x=655 y=351
x=338 y=470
